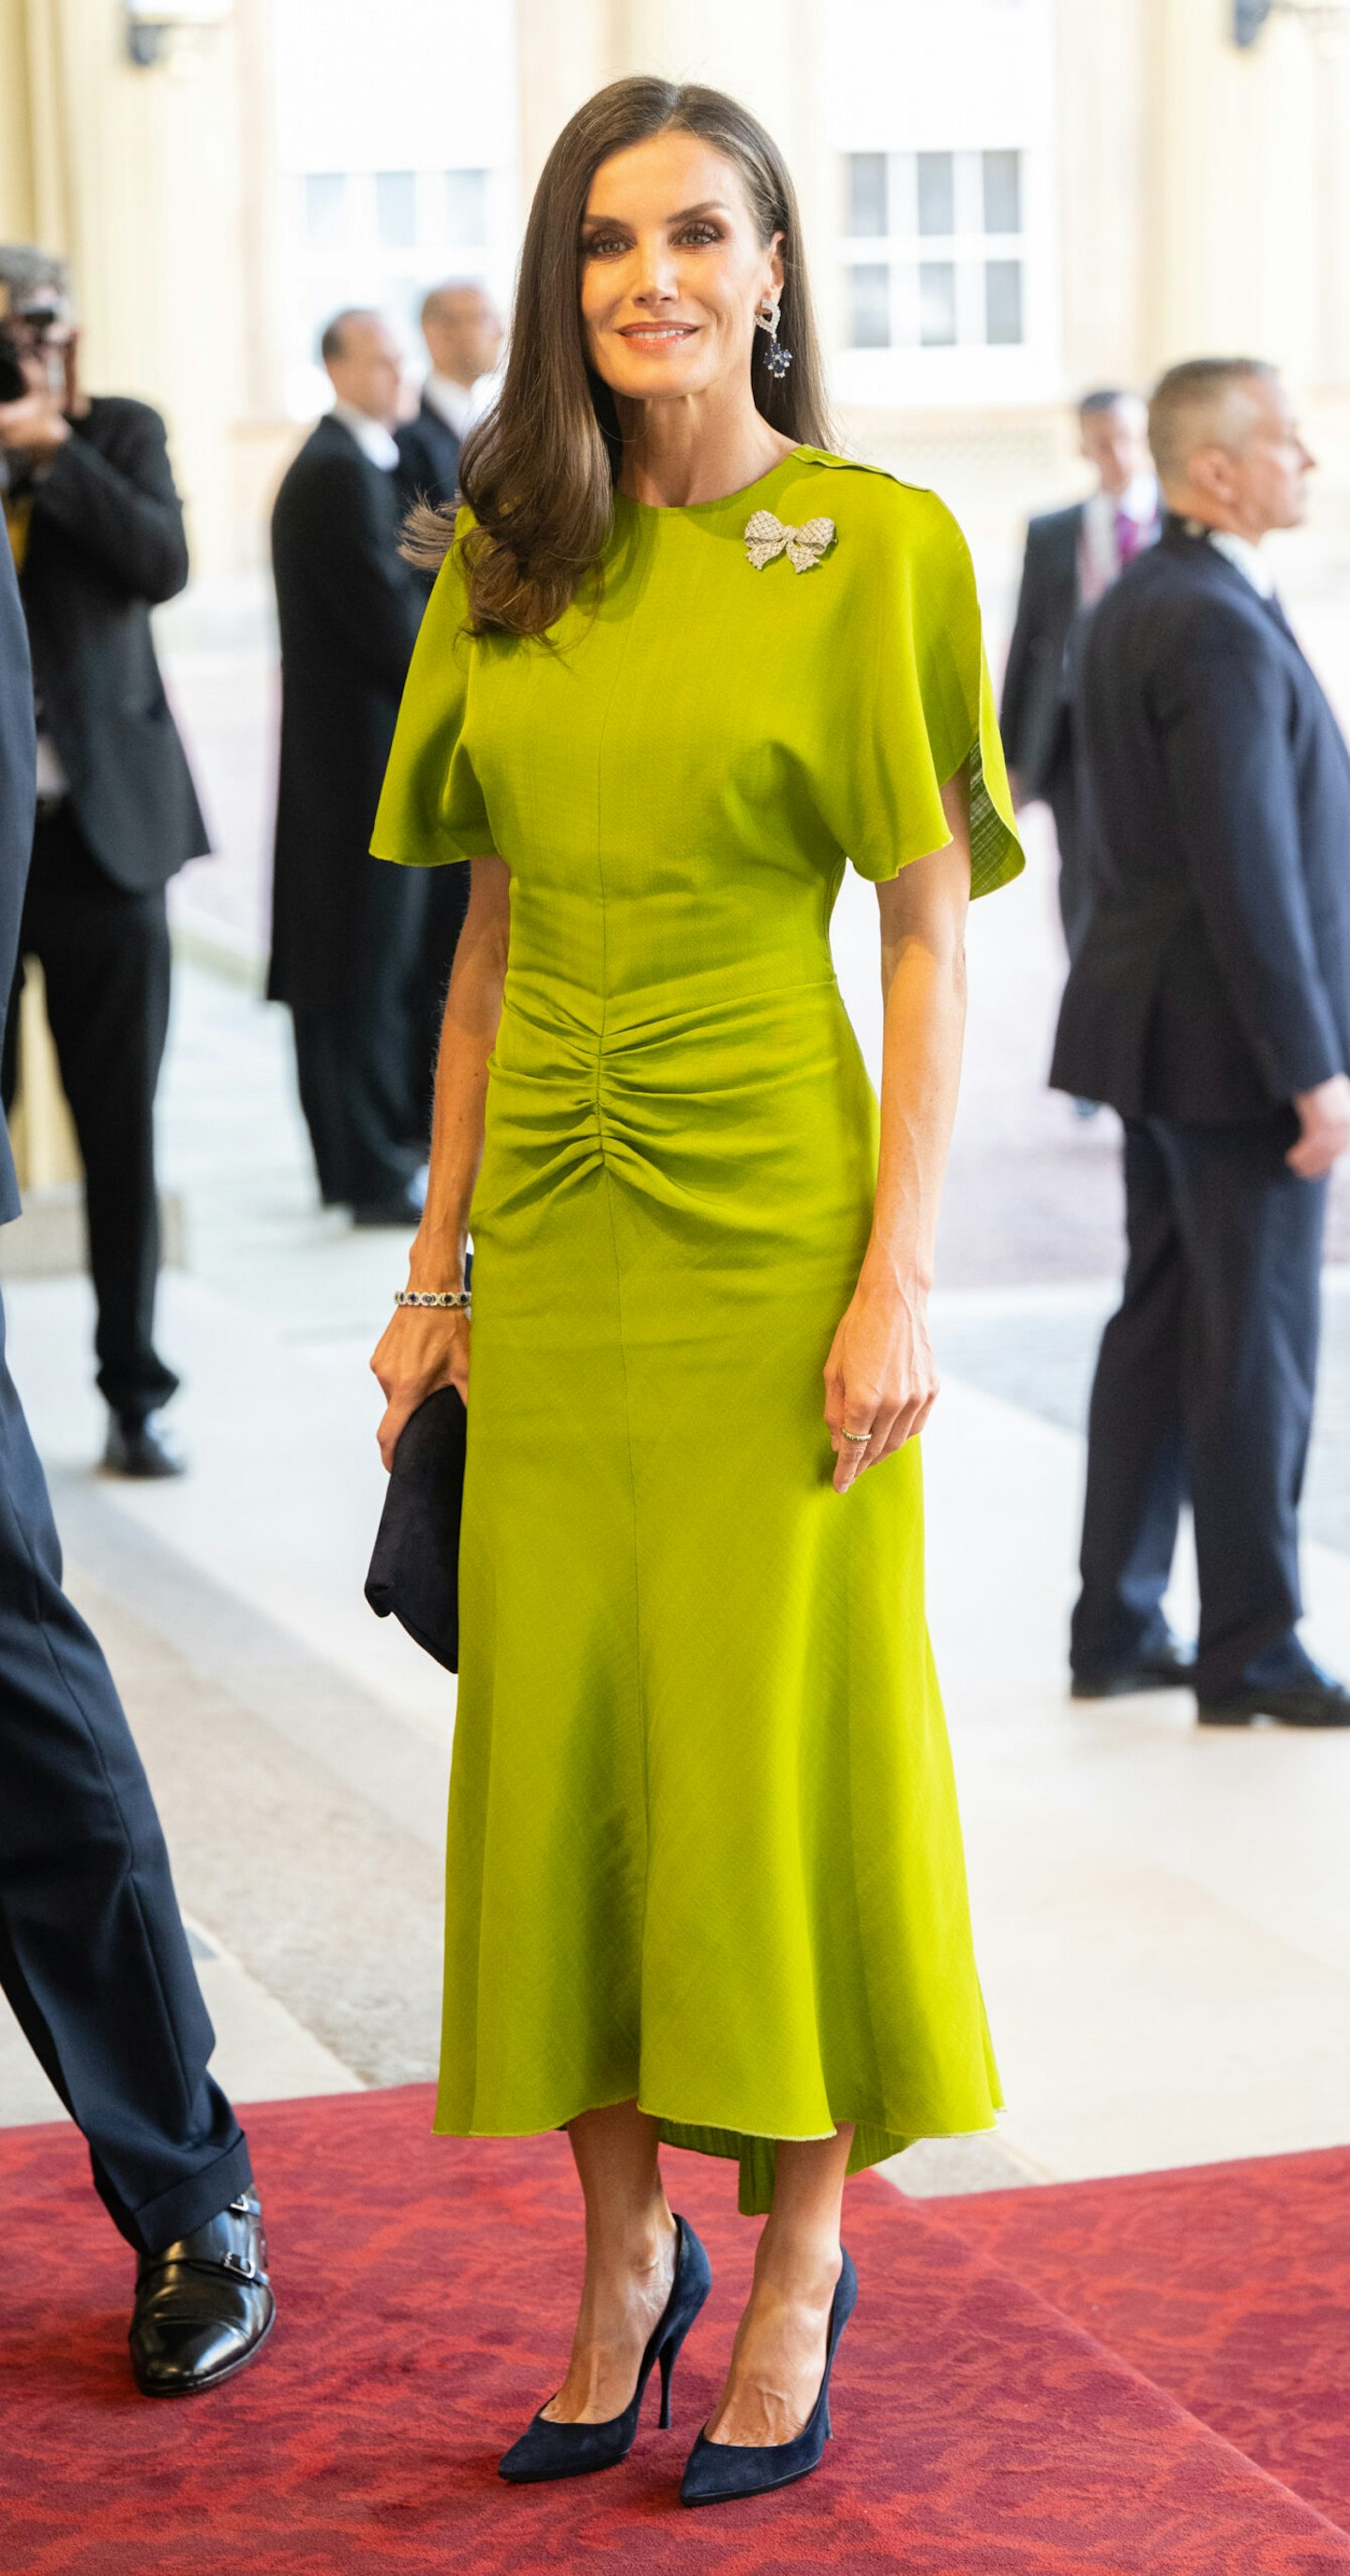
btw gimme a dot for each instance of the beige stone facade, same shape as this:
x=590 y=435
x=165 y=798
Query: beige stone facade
x=1201 y=198
x=156 y=183
x=1205 y=199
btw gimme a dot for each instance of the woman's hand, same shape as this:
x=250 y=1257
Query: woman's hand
x=880 y=1376
x=423 y=1348
x=426 y=1347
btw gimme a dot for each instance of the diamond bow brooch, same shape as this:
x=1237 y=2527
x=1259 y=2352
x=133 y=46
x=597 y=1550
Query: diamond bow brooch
x=766 y=536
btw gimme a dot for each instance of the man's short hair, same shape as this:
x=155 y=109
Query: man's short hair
x=332 y=344
x=1105 y=398
x=437 y=297
x=25 y=270
x=1201 y=403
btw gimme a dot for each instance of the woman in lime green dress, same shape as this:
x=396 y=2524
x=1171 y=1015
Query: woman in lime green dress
x=705 y=1881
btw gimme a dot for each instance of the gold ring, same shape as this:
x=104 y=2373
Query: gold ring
x=862 y=1437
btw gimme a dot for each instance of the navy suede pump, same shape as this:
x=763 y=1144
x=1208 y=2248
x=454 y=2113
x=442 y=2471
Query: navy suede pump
x=717 y=2471
x=548 y=2450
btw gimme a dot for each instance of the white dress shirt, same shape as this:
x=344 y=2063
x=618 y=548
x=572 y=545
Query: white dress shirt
x=371 y=436
x=451 y=400
x=1248 y=559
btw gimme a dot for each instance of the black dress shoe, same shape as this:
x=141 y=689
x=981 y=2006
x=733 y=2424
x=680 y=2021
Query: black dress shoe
x=1169 y=1667
x=139 y=1446
x=1313 y=1698
x=204 y=2305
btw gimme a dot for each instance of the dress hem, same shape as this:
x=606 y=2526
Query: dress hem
x=754 y=2151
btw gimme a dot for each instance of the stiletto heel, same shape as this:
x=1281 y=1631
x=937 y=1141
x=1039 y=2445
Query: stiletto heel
x=717 y=2471
x=547 y=2450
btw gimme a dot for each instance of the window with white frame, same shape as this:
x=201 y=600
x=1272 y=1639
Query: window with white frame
x=382 y=237
x=392 y=179
x=934 y=250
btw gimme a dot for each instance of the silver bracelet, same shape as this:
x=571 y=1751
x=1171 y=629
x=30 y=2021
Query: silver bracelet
x=460 y=1299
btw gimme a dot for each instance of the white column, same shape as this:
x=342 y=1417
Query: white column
x=1102 y=126
x=565 y=52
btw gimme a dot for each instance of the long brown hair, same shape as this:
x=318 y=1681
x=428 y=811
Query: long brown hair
x=539 y=470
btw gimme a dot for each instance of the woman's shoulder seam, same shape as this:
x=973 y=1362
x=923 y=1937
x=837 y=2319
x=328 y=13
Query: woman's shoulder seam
x=860 y=465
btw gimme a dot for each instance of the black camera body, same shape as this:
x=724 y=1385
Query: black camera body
x=13 y=384
x=35 y=323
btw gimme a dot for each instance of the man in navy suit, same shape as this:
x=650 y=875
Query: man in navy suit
x=1072 y=557
x=93 y=1956
x=1210 y=1005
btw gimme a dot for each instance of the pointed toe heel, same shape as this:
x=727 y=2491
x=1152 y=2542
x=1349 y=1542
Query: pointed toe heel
x=718 y=2472
x=546 y=2450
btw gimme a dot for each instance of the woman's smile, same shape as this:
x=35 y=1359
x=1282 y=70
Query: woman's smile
x=656 y=336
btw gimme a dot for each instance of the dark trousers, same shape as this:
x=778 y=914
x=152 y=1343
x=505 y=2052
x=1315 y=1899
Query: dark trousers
x=1204 y=1386
x=357 y=1106
x=93 y=1956
x=447 y=901
x=353 y=1050
x=105 y=956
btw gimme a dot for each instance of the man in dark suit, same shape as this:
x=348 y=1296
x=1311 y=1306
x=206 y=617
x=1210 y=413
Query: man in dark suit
x=93 y=1956
x=463 y=332
x=1210 y=1004
x=346 y=932
x=1072 y=557
x=96 y=528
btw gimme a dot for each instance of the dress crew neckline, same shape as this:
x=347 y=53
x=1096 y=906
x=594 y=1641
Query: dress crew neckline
x=695 y=509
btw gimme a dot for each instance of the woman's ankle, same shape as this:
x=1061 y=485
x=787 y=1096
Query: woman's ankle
x=638 y=2248
x=798 y=2264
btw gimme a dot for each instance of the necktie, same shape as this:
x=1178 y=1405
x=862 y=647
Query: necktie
x=1128 y=534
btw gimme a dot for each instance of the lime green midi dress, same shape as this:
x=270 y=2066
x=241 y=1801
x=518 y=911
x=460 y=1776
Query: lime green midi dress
x=704 y=1849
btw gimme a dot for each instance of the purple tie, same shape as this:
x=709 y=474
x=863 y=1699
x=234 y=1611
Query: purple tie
x=1128 y=536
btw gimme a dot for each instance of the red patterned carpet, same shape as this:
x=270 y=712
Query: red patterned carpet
x=983 y=2428
x=1227 y=2284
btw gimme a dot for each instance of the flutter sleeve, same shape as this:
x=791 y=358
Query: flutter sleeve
x=431 y=806
x=924 y=709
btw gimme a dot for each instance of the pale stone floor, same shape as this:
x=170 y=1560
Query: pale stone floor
x=1163 y=1916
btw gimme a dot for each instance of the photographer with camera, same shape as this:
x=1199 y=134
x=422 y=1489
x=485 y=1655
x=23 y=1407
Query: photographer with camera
x=96 y=529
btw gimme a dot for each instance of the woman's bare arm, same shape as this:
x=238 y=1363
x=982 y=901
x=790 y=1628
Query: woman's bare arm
x=880 y=1374
x=427 y=1347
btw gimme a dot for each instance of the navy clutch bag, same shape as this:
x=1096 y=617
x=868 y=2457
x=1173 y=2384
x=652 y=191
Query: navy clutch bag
x=414 y=1572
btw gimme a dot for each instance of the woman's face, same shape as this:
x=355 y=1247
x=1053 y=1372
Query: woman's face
x=672 y=271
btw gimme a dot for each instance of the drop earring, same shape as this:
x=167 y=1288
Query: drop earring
x=776 y=358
